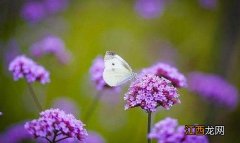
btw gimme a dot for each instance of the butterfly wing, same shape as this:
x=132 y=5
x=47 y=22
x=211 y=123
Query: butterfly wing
x=116 y=71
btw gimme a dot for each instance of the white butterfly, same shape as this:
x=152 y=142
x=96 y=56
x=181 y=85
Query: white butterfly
x=116 y=71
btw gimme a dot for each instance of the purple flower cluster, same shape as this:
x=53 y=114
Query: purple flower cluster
x=169 y=72
x=168 y=131
x=51 y=45
x=149 y=8
x=150 y=91
x=23 y=67
x=55 y=125
x=96 y=73
x=35 y=11
x=15 y=134
x=214 y=89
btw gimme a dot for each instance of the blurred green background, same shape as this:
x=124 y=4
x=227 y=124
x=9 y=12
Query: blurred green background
x=199 y=39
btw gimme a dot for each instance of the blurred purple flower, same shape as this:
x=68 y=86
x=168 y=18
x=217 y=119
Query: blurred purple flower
x=15 y=134
x=168 y=131
x=96 y=73
x=169 y=72
x=66 y=105
x=149 y=8
x=163 y=129
x=208 y=4
x=56 y=125
x=1 y=113
x=150 y=91
x=54 y=6
x=33 y=11
x=23 y=67
x=94 y=137
x=214 y=89
x=51 y=45
x=12 y=50
x=64 y=57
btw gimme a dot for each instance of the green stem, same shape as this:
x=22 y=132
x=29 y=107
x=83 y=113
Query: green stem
x=149 y=126
x=34 y=97
x=92 y=107
x=211 y=114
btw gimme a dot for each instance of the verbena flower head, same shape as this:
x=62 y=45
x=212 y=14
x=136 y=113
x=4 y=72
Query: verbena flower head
x=168 y=131
x=55 y=125
x=169 y=72
x=15 y=134
x=96 y=74
x=214 y=89
x=33 y=11
x=23 y=67
x=149 y=8
x=150 y=91
x=51 y=45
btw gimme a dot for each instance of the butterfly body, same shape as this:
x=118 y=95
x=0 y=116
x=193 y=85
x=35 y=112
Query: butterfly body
x=116 y=70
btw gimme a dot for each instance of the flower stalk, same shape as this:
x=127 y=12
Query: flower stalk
x=34 y=96
x=149 y=126
x=92 y=107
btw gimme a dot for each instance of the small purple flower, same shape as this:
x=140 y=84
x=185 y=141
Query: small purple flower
x=51 y=45
x=23 y=67
x=150 y=91
x=1 y=113
x=96 y=73
x=169 y=72
x=56 y=125
x=208 y=4
x=54 y=6
x=33 y=11
x=15 y=134
x=168 y=131
x=214 y=89
x=149 y=8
